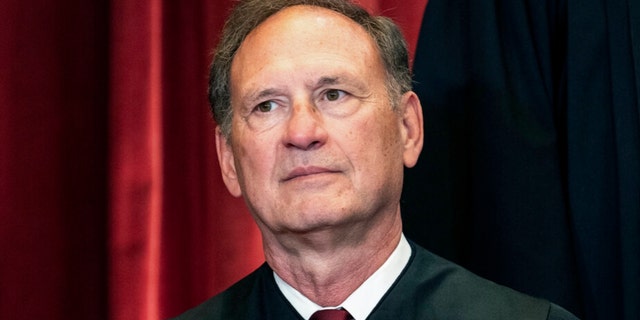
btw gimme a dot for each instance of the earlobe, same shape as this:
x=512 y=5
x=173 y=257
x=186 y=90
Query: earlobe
x=227 y=164
x=413 y=128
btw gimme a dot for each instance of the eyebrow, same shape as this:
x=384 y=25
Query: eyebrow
x=254 y=97
x=262 y=94
x=258 y=96
x=327 y=81
x=347 y=79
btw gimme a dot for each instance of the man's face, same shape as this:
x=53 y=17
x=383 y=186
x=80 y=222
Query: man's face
x=315 y=142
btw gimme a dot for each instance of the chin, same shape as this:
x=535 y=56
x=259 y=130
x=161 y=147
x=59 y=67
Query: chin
x=316 y=222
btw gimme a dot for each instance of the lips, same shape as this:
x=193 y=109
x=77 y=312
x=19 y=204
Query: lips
x=306 y=171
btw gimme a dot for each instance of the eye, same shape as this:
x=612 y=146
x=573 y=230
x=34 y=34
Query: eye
x=334 y=94
x=266 y=106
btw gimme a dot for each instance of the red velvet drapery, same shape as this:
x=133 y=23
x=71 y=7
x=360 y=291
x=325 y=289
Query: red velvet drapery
x=110 y=197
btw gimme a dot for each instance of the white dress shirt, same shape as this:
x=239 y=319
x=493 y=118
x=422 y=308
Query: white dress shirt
x=362 y=301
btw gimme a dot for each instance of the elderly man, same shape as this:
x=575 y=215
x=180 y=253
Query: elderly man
x=317 y=121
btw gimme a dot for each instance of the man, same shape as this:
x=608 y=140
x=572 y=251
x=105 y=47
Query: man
x=316 y=123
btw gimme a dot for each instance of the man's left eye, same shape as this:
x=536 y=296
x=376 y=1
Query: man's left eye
x=334 y=94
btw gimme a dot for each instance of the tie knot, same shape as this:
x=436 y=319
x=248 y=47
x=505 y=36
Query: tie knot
x=331 y=314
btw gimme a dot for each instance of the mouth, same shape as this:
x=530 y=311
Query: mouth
x=302 y=172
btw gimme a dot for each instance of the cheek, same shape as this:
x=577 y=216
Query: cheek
x=389 y=156
x=373 y=144
x=384 y=133
x=255 y=162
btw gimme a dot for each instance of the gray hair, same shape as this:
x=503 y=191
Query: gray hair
x=248 y=14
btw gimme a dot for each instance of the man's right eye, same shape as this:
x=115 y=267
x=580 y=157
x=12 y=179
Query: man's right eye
x=266 y=106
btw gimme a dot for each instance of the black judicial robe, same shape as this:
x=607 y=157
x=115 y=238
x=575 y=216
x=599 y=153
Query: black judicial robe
x=429 y=287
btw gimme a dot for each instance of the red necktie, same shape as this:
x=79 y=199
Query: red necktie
x=331 y=314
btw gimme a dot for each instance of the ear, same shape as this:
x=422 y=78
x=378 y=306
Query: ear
x=412 y=128
x=227 y=164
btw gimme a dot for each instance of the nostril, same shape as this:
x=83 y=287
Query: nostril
x=313 y=144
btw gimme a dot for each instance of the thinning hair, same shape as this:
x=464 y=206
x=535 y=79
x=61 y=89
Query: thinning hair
x=248 y=14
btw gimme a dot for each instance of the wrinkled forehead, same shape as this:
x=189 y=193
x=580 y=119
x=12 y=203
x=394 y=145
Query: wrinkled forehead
x=303 y=39
x=304 y=31
x=295 y=25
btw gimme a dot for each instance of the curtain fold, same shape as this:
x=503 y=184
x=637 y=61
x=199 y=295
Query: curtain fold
x=603 y=120
x=177 y=236
x=136 y=158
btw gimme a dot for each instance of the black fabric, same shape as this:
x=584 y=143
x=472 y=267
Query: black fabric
x=255 y=297
x=530 y=174
x=429 y=288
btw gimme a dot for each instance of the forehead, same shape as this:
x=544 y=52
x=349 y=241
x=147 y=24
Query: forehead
x=302 y=16
x=309 y=31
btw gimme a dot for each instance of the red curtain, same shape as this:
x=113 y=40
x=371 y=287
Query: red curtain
x=111 y=202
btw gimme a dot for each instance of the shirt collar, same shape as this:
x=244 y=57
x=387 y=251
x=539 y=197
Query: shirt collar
x=364 y=299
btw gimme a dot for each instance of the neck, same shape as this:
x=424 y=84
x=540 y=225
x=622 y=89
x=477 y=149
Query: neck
x=328 y=265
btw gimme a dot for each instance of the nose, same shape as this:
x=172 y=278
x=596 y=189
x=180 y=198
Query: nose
x=305 y=127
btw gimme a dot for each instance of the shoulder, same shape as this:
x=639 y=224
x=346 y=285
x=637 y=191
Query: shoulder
x=233 y=303
x=433 y=287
